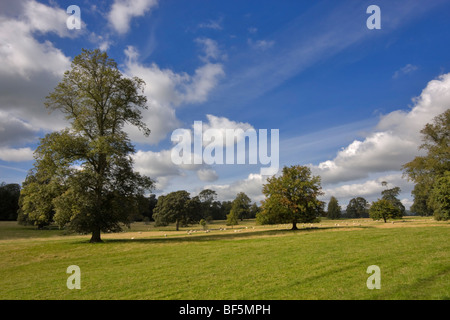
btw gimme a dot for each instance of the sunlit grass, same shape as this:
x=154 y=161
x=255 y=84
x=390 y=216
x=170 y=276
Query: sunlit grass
x=248 y=261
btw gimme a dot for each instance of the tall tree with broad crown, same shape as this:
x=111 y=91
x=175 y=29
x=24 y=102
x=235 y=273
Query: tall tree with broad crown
x=90 y=162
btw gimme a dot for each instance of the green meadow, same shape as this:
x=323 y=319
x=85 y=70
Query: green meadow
x=326 y=260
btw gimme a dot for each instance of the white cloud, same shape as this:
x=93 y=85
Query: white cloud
x=16 y=155
x=394 y=142
x=29 y=68
x=122 y=11
x=21 y=54
x=44 y=19
x=197 y=87
x=251 y=186
x=166 y=90
x=222 y=124
x=370 y=189
x=210 y=48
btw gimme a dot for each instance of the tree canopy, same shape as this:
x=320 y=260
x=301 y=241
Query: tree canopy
x=357 y=208
x=177 y=207
x=334 y=209
x=9 y=200
x=292 y=197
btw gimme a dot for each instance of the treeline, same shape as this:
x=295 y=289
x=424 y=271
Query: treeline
x=177 y=207
x=180 y=208
x=388 y=207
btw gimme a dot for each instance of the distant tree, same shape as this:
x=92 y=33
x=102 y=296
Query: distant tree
x=241 y=206
x=426 y=170
x=145 y=207
x=225 y=208
x=391 y=195
x=440 y=197
x=357 y=208
x=384 y=209
x=421 y=194
x=254 y=210
x=176 y=207
x=232 y=218
x=207 y=198
x=203 y=223
x=40 y=188
x=292 y=197
x=9 y=201
x=334 y=209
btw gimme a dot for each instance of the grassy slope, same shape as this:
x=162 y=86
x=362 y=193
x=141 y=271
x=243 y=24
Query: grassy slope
x=263 y=263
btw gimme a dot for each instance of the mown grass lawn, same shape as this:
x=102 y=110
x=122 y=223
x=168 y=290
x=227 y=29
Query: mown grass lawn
x=274 y=263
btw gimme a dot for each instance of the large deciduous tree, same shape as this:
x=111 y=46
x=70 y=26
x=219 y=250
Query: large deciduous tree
x=427 y=169
x=292 y=197
x=86 y=169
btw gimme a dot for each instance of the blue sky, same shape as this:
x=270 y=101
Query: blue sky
x=347 y=101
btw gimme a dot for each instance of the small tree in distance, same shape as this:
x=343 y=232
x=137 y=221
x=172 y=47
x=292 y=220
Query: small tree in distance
x=384 y=209
x=334 y=209
x=357 y=208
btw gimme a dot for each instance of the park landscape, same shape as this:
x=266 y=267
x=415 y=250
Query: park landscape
x=97 y=218
x=326 y=260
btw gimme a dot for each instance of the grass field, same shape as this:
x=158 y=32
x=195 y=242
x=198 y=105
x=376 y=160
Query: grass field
x=327 y=261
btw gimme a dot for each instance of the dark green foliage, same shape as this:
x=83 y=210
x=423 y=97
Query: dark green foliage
x=241 y=206
x=426 y=170
x=9 y=201
x=357 y=208
x=440 y=197
x=177 y=207
x=391 y=195
x=334 y=209
x=292 y=197
x=384 y=209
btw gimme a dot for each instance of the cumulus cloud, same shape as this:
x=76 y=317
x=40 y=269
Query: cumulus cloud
x=122 y=11
x=394 y=142
x=23 y=55
x=16 y=155
x=370 y=189
x=15 y=131
x=30 y=68
x=165 y=90
x=251 y=186
x=159 y=166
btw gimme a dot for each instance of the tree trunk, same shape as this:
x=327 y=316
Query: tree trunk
x=95 y=236
x=177 y=224
x=294 y=225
